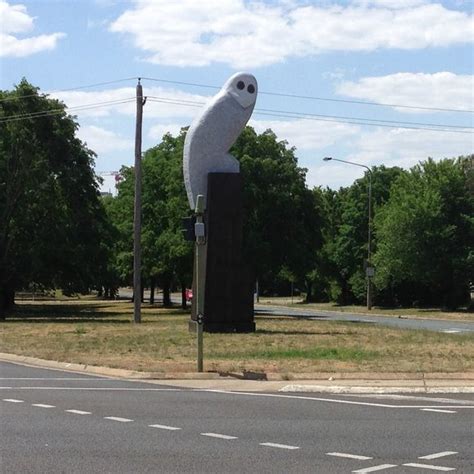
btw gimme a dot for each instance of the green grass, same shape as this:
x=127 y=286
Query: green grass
x=316 y=353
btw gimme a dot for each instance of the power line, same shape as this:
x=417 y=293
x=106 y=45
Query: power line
x=266 y=112
x=299 y=114
x=331 y=118
x=97 y=84
x=50 y=112
x=277 y=94
x=309 y=97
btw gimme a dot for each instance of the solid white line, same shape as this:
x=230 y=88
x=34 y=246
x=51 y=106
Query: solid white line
x=124 y=389
x=351 y=456
x=79 y=412
x=117 y=418
x=281 y=446
x=380 y=467
x=48 y=378
x=438 y=455
x=42 y=405
x=12 y=400
x=165 y=427
x=217 y=435
x=410 y=397
x=429 y=466
x=438 y=411
x=318 y=399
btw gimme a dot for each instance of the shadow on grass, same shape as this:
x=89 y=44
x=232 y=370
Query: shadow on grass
x=299 y=333
x=70 y=313
x=75 y=313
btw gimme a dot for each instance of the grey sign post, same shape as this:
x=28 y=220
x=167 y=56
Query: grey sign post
x=200 y=266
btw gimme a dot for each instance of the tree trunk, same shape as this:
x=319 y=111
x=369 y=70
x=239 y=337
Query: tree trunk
x=152 y=290
x=309 y=291
x=7 y=300
x=183 y=295
x=167 y=292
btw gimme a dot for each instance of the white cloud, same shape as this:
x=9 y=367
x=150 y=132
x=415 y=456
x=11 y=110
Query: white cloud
x=405 y=148
x=441 y=90
x=15 y=20
x=186 y=107
x=252 y=34
x=389 y=147
x=103 y=141
x=307 y=134
x=157 y=131
x=395 y=4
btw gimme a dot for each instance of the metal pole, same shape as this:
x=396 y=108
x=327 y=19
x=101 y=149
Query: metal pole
x=200 y=279
x=369 y=244
x=137 y=211
x=369 y=240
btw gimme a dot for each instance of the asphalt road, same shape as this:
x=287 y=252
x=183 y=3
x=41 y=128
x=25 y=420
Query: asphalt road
x=450 y=327
x=59 y=422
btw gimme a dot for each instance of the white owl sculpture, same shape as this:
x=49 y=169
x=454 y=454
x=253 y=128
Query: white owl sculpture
x=214 y=131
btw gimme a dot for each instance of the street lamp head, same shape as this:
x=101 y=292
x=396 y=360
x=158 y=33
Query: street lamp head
x=327 y=158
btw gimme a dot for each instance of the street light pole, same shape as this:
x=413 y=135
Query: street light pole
x=369 y=269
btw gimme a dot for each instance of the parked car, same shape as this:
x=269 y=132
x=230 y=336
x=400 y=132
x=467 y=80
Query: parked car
x=189 y=294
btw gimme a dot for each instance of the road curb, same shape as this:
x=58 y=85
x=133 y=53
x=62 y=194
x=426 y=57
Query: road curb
x=372 y=390
x=321 y=382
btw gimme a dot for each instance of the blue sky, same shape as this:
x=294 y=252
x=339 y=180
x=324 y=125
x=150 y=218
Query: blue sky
x=417 y=53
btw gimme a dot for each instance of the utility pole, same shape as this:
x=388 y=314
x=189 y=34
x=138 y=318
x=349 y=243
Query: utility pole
x=137 y=211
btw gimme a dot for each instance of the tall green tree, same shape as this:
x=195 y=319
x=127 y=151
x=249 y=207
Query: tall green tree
x=281 y=216
x=348 y=252
x=426 y=235
x=166 y=256
x=52 y=218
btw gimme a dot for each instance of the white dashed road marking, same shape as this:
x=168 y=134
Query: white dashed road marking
x=438 y=411
x=429 y=466
x=351 y=456
x=42 y=405
x=117 y=418
x=12 y=400
x=217 y=435
x=79 y=412
x=281 y=446
x=380 y=467
x=165 y=427
x=438 y=455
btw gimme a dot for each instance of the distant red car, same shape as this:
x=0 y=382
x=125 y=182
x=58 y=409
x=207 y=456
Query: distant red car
x=189 y=294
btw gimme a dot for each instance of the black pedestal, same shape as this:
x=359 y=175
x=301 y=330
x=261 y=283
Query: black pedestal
x=228 y=301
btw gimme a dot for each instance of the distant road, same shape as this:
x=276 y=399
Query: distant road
x=451 y=327
x=62 y=422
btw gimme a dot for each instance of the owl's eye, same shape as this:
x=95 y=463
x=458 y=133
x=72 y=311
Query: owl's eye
x=251 y=88
x=240 y=85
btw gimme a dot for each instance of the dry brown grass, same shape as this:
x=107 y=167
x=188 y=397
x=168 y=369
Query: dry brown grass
x=100 y=333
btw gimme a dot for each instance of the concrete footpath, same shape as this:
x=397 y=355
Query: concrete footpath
x=321 y=382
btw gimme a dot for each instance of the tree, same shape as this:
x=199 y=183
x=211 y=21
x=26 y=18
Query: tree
x=50 y=208
x=166 y=256
x=281 y=217
x=426 y=234
x=349 y=248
